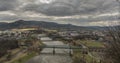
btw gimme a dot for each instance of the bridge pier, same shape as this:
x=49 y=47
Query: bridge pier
x=53 y=50
x=70 y=52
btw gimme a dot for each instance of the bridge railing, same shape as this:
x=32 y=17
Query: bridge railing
x=61 y=46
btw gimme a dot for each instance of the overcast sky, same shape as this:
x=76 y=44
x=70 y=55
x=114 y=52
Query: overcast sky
x=76 y=12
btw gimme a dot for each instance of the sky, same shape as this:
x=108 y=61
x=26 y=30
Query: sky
x=76 y=12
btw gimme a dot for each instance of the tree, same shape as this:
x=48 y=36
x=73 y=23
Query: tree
x=7 y=44
x=113 y=48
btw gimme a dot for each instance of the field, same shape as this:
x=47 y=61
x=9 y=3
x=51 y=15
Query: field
x=91 y=43
x=78 y=56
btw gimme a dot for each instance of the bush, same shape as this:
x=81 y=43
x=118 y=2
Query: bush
x=6 y=45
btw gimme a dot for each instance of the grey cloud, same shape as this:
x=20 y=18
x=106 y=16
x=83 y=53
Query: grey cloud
x=60 y=8
x=73 y=7
x=92 y=19
x=5 y=17
x=6 y=5
x=53 y=9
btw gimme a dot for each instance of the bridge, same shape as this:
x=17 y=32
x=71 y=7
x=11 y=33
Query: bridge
x=58 y=47
x=61 y=47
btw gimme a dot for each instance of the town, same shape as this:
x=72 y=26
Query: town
x=26 y=42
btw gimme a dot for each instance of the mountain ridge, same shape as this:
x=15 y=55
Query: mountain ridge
x=43 y=24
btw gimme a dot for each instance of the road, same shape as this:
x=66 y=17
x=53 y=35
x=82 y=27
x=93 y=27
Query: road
x=49 y=57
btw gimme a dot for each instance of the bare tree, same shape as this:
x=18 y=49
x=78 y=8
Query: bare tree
x=113 y=49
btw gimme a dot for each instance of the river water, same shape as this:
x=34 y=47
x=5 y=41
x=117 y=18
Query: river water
x=46 y=56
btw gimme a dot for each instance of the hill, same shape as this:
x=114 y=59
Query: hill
x=43 y=24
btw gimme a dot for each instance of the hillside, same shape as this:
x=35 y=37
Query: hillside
x=43 y=24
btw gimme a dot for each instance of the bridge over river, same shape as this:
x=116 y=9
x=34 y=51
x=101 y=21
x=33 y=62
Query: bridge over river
x=54 y=47
x=49 y=48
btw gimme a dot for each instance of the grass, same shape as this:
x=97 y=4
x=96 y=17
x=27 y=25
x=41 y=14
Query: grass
x=91 y=43
x=78 y=57
x=89 y=58
x=77 y=54
x=24 y=58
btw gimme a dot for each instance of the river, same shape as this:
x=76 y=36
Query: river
x=46 y=56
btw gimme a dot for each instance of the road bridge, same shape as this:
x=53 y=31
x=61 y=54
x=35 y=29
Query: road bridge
x=61 y=47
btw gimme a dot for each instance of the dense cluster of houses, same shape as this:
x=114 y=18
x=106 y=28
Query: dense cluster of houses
x=10 y=34
x=83 y=34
